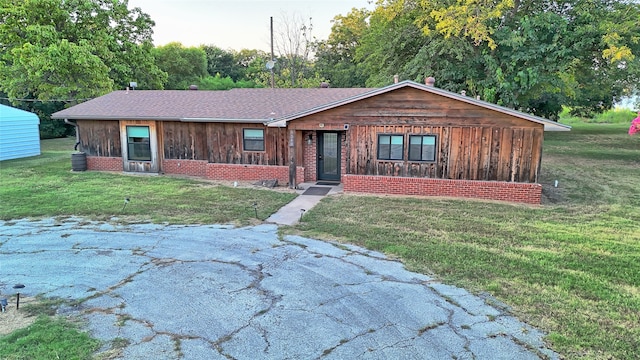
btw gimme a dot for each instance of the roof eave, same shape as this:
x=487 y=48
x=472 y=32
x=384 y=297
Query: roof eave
x=159 y=118
x=223 y=120
x=98 y=117
x=548 y=124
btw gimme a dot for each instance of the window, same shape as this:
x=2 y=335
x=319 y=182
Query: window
x=253 y=139
x=138 y=145
x=390 y=147
x=422 y=148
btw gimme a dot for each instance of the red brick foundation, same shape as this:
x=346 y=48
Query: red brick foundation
x=185 y=167
x=204 y=169
x=252 y=172
x=489 y=190
x=104 y=163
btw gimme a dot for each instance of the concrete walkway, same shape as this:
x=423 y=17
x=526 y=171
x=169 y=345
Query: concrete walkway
x=291 y=213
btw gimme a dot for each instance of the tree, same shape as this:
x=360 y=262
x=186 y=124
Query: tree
x=531 y=55
x=253 y=65
x=184 y=66
x=74 y=49
x=336 y=56
x=583 y=52
x=222 y=62
x=293 y=42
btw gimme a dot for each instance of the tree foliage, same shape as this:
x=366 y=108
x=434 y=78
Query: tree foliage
x=336 y=56
x=74 y=49
x=223 y=63
x=531 y=55
x=293 y=42
x=185 y=66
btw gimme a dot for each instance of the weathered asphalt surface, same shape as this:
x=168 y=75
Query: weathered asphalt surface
x=218 y=292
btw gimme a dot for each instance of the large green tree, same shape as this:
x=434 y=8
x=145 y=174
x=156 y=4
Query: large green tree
x=222 y=62
x=532 y=55
x=185 y=66
x=336 y=56
x=74 y=49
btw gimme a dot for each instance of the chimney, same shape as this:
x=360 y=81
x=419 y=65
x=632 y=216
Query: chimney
x=396 y=78
x=430 y=81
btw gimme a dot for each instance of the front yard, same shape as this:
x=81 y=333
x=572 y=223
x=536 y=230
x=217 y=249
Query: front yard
x=569 y=267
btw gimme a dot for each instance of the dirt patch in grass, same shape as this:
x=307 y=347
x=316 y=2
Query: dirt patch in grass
x=13 y=319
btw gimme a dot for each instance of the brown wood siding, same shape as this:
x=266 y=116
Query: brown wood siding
x=100 y=138
x=472 y=143
x=225 y=145
x=463 y=153
x=184 y=141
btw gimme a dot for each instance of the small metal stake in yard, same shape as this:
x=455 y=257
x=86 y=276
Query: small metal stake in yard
x=18 y=286
x=302 y=213
x=255 y=207
x=126 y=201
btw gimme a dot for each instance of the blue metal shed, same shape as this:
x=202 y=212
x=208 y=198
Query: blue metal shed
x=19 y=133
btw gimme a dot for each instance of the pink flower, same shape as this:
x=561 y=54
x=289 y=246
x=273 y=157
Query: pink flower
x=635 y=125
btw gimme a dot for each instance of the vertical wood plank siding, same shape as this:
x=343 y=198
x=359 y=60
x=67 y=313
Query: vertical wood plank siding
x=100 y=138
x=224 y=145
x=473 y=153
x=213 y=142
x=185 y=141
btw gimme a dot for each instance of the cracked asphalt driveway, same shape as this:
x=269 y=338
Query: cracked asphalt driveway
x=219 y=292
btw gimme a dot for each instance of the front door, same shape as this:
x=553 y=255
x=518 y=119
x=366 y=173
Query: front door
x=329 y=156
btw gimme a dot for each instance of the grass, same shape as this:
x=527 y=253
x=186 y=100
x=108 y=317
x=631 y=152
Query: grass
x=44 y=186
x=570 y=267
x=48 y=338
x=614 y=116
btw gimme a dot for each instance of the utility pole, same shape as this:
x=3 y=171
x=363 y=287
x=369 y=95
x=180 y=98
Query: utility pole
x=273 y=84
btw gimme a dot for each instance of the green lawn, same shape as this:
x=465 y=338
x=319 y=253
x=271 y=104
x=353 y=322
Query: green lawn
x=45 y=186
x=48 y=338
x=570 y=267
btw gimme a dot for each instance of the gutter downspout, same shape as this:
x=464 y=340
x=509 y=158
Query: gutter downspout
x=75 y=147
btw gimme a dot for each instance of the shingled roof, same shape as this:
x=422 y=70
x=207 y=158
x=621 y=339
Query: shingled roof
x=275 y=107
x=243 y=105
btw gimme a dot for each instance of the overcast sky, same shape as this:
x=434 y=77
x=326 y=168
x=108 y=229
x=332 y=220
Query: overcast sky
x=237 y=24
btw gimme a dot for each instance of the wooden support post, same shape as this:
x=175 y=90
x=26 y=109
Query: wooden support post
x=292 y=159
